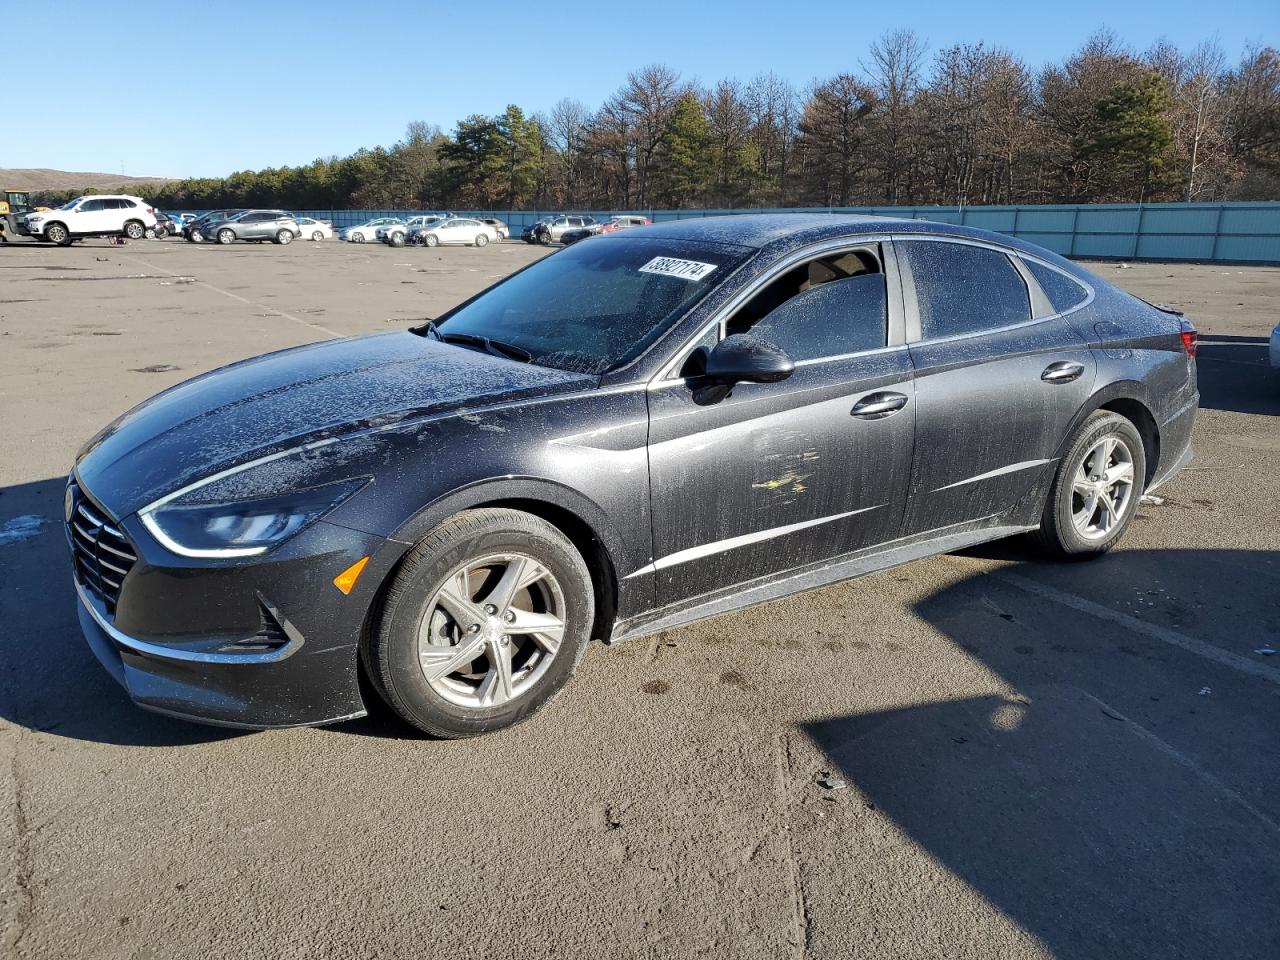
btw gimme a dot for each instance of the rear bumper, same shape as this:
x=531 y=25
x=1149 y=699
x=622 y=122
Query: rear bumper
x=1175 y=443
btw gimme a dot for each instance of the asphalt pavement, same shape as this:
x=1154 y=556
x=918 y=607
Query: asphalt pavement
x=977 y=755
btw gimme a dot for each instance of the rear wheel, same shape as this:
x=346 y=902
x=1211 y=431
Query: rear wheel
x=284 y=237
x=317 y=235
x=485 y=622
x=226 y=236
x=57 y=233
x=1096 y=490
x=357 y=238
x=481 y=239
x=134 y=230
x=396 y=239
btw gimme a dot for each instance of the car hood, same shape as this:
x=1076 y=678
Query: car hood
x=272 y=403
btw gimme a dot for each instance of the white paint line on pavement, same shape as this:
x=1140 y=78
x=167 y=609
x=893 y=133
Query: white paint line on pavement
x=1190 y=644
x=1173 y=753
x=235 y=296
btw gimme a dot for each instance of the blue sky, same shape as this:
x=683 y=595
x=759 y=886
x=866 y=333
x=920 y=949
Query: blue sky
x=275 y=82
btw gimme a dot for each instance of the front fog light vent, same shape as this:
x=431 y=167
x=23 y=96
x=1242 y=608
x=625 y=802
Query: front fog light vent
x=274 y=632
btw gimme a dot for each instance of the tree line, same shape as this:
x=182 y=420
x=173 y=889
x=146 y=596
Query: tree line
x=969 y=124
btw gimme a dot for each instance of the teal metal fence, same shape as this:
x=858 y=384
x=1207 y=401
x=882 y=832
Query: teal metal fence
x=1238 y=232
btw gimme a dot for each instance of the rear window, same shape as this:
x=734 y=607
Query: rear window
x=962 y=288
x=594 y=306
x=1063 y=292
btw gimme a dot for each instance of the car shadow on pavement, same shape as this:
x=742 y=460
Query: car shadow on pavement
x=52 y=681
x=1235 y=374
x=1115 y=795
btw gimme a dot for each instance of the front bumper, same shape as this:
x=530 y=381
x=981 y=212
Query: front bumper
x=171 y=641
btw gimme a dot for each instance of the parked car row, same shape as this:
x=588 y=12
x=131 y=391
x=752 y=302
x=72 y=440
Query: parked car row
x=135 y=219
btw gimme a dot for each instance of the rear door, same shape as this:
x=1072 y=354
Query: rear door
x=999 y=375
x=775 y=477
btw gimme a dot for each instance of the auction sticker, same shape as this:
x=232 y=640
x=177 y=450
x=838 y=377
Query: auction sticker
x=673 y=267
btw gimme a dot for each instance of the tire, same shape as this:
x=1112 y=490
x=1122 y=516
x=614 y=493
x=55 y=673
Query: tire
x=284 y=237
x=134 y=230
x=317 y=236
x=357 y=238
x=545 y=238
x=481 y=239
x=226 y=236
x=431 y=240
x=467 y=698
x=57 y=233
x=1077 y=490
x=396 y=238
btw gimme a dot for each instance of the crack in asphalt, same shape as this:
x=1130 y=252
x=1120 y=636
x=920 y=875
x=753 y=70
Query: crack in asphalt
x=22 y=849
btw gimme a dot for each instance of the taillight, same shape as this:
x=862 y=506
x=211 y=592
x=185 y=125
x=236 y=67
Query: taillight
x=1190 y=337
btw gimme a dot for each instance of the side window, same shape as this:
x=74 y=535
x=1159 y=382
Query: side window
x=91 y=206
x=123 y=204
x=1063 y=292
x=824 y=308
x=964 y=289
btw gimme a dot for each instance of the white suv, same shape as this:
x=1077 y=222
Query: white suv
x=95 y=216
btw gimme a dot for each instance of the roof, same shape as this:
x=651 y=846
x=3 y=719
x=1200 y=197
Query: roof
x=794 y=230
x=764 y=229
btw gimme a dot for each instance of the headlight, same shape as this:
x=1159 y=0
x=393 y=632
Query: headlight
x=242 y=528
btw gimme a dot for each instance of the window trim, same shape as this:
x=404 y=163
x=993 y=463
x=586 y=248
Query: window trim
x=911 y=306
x=669 y=372
x=1087 y=287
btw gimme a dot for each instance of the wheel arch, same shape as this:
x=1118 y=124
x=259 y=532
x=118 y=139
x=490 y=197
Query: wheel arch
x=1129 y=399
x=578 y=518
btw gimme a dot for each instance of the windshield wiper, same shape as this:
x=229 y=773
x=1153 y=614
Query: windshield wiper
x=498 y=348
x=428 y=329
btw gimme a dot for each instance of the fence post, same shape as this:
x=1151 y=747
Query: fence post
x=1075 y=221
x=1137 y=231
x=1217 y=232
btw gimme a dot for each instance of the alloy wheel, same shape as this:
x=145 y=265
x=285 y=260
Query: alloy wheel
x=1102 y=488
x=491 y=630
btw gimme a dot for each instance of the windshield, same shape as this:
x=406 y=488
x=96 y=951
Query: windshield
x=594 y=306
x=70 y=203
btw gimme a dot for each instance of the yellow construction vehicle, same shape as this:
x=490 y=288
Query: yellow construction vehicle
x=15 y=205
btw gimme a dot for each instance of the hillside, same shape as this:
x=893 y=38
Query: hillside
x=23 y=178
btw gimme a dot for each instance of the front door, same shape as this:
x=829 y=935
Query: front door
x=775 y=477
x=995 y=388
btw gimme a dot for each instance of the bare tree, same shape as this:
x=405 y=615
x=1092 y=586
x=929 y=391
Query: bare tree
x=897 y=60
x=832 y=131
x=646 y=101
x=774 y=110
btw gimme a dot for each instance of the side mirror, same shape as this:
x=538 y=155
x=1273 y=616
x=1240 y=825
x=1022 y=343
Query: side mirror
x=743 y=358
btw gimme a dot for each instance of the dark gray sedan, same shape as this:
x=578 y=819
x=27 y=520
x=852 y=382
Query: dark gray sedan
x=627 y=436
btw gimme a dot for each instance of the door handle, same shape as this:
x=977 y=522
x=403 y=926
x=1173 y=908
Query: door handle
x=1062 y=372
x=877 y=406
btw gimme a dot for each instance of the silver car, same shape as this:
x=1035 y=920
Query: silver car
x=258 y=226
x=554 y=229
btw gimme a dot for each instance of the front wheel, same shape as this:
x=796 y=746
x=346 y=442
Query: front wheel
x=1096 y=490
x=431 y=240
x=57 y=233
x=226 y=236
x=485 y=622
x=396 y=239
x=284 y=237
x=317 y=235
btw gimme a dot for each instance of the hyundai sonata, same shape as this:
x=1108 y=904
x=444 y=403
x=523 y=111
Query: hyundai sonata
x=640 y=431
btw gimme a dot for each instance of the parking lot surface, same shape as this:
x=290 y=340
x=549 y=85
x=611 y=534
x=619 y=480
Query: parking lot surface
x=978 y=755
